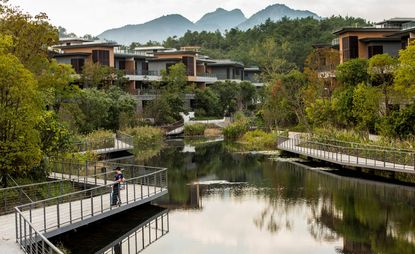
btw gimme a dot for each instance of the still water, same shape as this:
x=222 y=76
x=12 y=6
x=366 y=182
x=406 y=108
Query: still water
x=225 y=202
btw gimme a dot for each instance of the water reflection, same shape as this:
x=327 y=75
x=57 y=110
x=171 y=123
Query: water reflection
x=312 y=211
x=129 y=232
x=223 y=202
x=140 y=237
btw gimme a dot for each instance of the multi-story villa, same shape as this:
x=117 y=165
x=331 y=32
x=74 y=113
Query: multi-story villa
x=144 y=65
x=388 y=36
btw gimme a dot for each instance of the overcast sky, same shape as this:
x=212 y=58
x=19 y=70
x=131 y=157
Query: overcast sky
x=95 y=16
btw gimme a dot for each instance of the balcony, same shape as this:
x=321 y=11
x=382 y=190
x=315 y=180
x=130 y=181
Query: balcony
x=129 y=52
x=408 y=25
x=208 y=78
x=143 y=75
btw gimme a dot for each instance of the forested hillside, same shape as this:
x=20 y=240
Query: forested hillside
x=294 y=38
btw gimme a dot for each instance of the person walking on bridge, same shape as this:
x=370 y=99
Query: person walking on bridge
x=118 y=179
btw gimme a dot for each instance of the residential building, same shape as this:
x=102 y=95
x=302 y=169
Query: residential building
x=144 y=65
x=365 y=42
x=253 y=75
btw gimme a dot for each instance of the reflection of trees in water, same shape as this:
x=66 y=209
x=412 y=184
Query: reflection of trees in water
x=370 y=217
x=272 y=218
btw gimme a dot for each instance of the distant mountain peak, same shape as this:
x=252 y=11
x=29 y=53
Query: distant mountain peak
x=275 y=12
x=220 y=19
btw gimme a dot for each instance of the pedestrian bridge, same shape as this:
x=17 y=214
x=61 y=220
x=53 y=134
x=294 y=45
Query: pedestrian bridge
x=351 y=154
x=34 y=221
x=120 y=142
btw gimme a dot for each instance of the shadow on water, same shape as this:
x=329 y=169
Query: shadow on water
x=131 y=231
x=223 y=202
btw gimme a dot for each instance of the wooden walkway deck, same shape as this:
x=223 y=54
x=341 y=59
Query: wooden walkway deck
x=346 y=156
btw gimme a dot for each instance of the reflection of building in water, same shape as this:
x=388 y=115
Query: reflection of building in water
x=193 y=201
x=140 y=237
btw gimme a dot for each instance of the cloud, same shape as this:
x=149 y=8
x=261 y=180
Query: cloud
x=95 y=16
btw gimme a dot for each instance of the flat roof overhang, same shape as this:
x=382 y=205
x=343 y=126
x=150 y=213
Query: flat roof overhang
x=382 y=39
x=364 y=29
x=403 y=33
x=71 y=54
x=88 y=45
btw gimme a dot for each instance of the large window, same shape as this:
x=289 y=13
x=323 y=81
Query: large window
x=374 y=50
x=350 y=47
x=121 y=64
x=101 y=56
x=188 y=61
x=77 y=64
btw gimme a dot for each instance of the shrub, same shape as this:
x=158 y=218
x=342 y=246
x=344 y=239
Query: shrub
x=99 y=135
x=258 y=140
x=235 y=130
x=197 y=129
x=146 y=137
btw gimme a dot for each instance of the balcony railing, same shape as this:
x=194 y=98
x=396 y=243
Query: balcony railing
x=129 y=52
x=142 y=72
x=408 y=25
x=208 y=75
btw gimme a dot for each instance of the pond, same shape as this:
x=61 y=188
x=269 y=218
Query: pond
x=225 y=202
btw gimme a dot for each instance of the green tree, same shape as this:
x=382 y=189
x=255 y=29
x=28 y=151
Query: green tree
x=207 y=103
x=269 y=56
x=227 y=92
x=31 y=36
x=366 y=107
x=175 y=79
x=405 y=73
x=54 y=136
x=380 y=69
x=94 y=105
x=352 y=72
x=102 y=76
x=247 y=95
x=20 y=111
x=55 y=84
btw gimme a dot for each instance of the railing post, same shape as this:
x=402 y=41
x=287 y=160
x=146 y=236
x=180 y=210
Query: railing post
x=44 y=216
x=384 y=158
x=58 y=213
x=95 y=173
x=15 y=218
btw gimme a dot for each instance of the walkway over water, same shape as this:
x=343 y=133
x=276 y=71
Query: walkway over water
x=351 y=154
x=35 y=221
x=120 y=142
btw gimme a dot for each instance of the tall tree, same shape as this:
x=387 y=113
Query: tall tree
x=352 y=72
x=20 y=111
x=380 y=69
x=405 y=73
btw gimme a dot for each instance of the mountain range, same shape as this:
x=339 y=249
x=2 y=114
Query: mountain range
x=176 y=25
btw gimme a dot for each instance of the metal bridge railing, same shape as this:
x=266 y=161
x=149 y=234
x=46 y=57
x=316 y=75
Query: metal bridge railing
x=119 y=142
x=139 y=238
x=71 y=176
x=57 y=212
x=31 y=240
x=347 y=153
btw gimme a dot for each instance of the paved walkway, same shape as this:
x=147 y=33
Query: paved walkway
x=292 y=145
